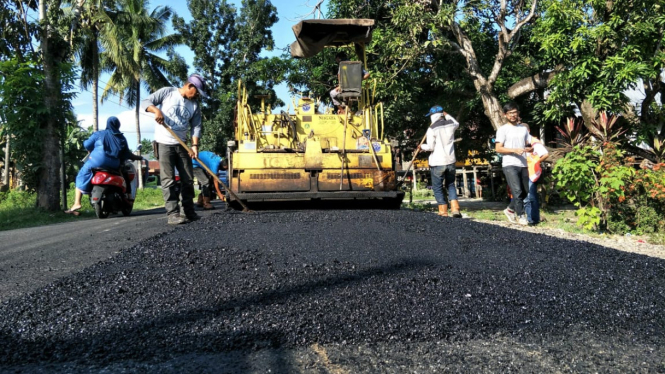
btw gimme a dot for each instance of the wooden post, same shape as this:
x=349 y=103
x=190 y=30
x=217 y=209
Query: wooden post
x=475 y=180
x=492 y=182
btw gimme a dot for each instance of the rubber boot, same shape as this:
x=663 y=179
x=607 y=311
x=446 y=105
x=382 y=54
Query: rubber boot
x=206 y=204
x=454 y=206
x=443 y=210
x=199 y=202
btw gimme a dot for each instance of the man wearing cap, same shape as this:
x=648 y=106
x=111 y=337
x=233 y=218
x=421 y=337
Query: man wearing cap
x=179 y=109
x=441 y=142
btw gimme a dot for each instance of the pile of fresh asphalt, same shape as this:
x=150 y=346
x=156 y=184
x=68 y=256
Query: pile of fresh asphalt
x=383 y=291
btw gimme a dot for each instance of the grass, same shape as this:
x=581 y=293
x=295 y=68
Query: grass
x=17 y=208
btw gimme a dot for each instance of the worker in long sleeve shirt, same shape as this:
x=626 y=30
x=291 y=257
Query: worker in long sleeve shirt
x=441 y=142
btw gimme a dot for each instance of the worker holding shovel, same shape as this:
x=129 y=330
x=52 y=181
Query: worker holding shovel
x=441 y=142
x=177 y=110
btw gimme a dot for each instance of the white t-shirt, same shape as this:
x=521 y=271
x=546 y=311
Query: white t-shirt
x=441 y=141
x=180 y=115
x=513 y=136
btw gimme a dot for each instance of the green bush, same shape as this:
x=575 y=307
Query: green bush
x=647 y=220
x=16 y=199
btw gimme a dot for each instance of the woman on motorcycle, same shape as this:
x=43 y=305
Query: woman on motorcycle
x=108 y=149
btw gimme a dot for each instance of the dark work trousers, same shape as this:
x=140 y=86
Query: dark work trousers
x=172 y=157
x=518 y=181
x=204 y=179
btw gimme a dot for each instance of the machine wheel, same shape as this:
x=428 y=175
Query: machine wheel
x=99 y=210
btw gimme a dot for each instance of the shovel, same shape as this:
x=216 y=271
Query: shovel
x=244 y=207
x=413 y=159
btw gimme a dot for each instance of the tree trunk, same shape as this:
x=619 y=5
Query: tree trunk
x=138 y=131
x=533 y=83
x=5 y=180
x=48 y=187
x=484 y=84
x=588 y=114
x=95 y=85
x=493 y=108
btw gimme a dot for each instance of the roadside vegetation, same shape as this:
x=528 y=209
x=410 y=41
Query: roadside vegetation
x=554 y=217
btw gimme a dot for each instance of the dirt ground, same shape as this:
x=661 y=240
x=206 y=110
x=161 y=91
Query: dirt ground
x=632 y=243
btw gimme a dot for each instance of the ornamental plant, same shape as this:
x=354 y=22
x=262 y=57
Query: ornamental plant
x=594 y=180
x=573 y=134
x=645 y=200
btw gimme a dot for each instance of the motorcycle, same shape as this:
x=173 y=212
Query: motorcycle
x=110 y=193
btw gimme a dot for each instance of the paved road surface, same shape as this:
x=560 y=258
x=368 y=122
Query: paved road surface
x=325 y=291
x=33 y=257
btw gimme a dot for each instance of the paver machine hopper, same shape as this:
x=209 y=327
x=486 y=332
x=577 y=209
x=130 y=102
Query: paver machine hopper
x=311 y=155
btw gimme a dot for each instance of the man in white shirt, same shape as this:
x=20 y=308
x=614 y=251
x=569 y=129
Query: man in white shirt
x=441 y=142
x=512 y=141
x=179 y=109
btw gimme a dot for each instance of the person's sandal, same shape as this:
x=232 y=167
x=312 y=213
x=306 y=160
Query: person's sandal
x=74 y=212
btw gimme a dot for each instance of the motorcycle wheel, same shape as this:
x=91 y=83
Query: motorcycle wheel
x=99 y=210
x=127 y=210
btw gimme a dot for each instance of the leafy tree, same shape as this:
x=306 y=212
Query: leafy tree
x=227 y=43
x=466 y=49
x=56 y=93
x=22 y=112
x=605 y=48
x=210 y=34
x=74 y=150
x=53 y=88
x=88 y=18
x=16 y=32
x=146 y=148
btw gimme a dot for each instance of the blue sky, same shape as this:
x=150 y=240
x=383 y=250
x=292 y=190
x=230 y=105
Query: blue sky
x=289 y=13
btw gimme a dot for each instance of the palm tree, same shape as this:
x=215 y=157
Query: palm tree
x=133 y=37
x=90 y=18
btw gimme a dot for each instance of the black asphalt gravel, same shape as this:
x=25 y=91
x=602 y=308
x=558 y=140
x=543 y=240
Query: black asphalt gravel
x=345 y=291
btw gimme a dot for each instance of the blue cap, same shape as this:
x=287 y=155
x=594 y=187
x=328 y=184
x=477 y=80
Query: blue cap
x=434 y=110
x=199 y=83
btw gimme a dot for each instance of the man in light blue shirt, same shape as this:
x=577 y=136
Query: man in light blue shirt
x=179 y=109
